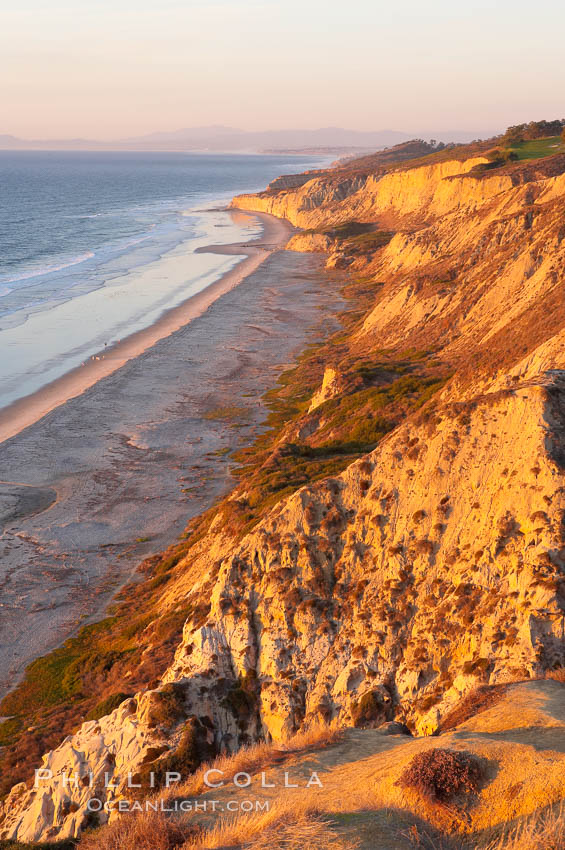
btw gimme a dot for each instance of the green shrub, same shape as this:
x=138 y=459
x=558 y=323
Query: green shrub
x=366 y=243
x=107 y=705
x=9 y=728
x=343 y=231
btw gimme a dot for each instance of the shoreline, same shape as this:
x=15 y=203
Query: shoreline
x=114 y=475
x=26 y=411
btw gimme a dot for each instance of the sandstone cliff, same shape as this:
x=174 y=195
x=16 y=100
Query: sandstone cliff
x=430 y=564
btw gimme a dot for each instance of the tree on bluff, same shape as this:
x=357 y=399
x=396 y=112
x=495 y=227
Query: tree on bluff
x=534 y=130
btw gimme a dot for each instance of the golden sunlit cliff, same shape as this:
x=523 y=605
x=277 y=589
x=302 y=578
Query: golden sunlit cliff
x=399 y=542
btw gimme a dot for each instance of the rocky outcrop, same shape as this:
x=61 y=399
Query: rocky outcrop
x=291 y=181
x=302 y=207
x=307 y=242
x=330 y=388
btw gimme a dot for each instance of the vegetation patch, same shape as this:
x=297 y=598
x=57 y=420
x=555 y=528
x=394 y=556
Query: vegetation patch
x=8 y=729
x=346 y=230
x=107 y=705
x=367 y=243
x=192 y=750
x=539 y=148
x=55 y=677
x=228 y=413
x=378 y=393
x=440 y=774
x=167 y=705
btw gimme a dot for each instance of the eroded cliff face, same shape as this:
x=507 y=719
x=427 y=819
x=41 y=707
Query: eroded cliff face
x=474 y=270
x=431 y=190
x=432 y=564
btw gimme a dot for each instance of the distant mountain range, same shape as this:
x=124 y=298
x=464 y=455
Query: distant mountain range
x=219 y=138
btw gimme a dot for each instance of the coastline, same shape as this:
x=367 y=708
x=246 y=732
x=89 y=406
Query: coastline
x=24 y=412
x=114 y=475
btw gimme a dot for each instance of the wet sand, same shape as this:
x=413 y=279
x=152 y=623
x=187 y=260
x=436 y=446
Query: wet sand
x=25 y=411
x=116 y=472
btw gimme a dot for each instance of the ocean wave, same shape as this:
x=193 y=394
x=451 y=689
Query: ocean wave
x=43 y=270
x=136 y=240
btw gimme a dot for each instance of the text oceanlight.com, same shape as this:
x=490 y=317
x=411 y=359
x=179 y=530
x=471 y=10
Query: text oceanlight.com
x=206 y=806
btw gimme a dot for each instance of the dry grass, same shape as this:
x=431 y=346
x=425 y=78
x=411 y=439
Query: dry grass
x=148 y=831
x=247 y=760
x=314 y=738
x=541 y=832
x=289 y=824
x=424 y=839
x=285 y=828
x=293 y=824
x=259 y=756
x=558 y=675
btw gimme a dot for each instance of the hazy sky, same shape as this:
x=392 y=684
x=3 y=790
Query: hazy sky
x=114 y=68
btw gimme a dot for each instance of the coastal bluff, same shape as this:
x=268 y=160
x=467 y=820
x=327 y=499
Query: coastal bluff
x=424 y=561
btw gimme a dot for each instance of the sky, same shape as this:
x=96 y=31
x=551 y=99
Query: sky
x=116 y=68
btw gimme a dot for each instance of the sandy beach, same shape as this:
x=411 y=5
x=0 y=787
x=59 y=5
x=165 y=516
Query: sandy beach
x=25 y=411
x=115 y=473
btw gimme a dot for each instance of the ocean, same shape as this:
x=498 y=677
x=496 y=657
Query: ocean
x=96 y=246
